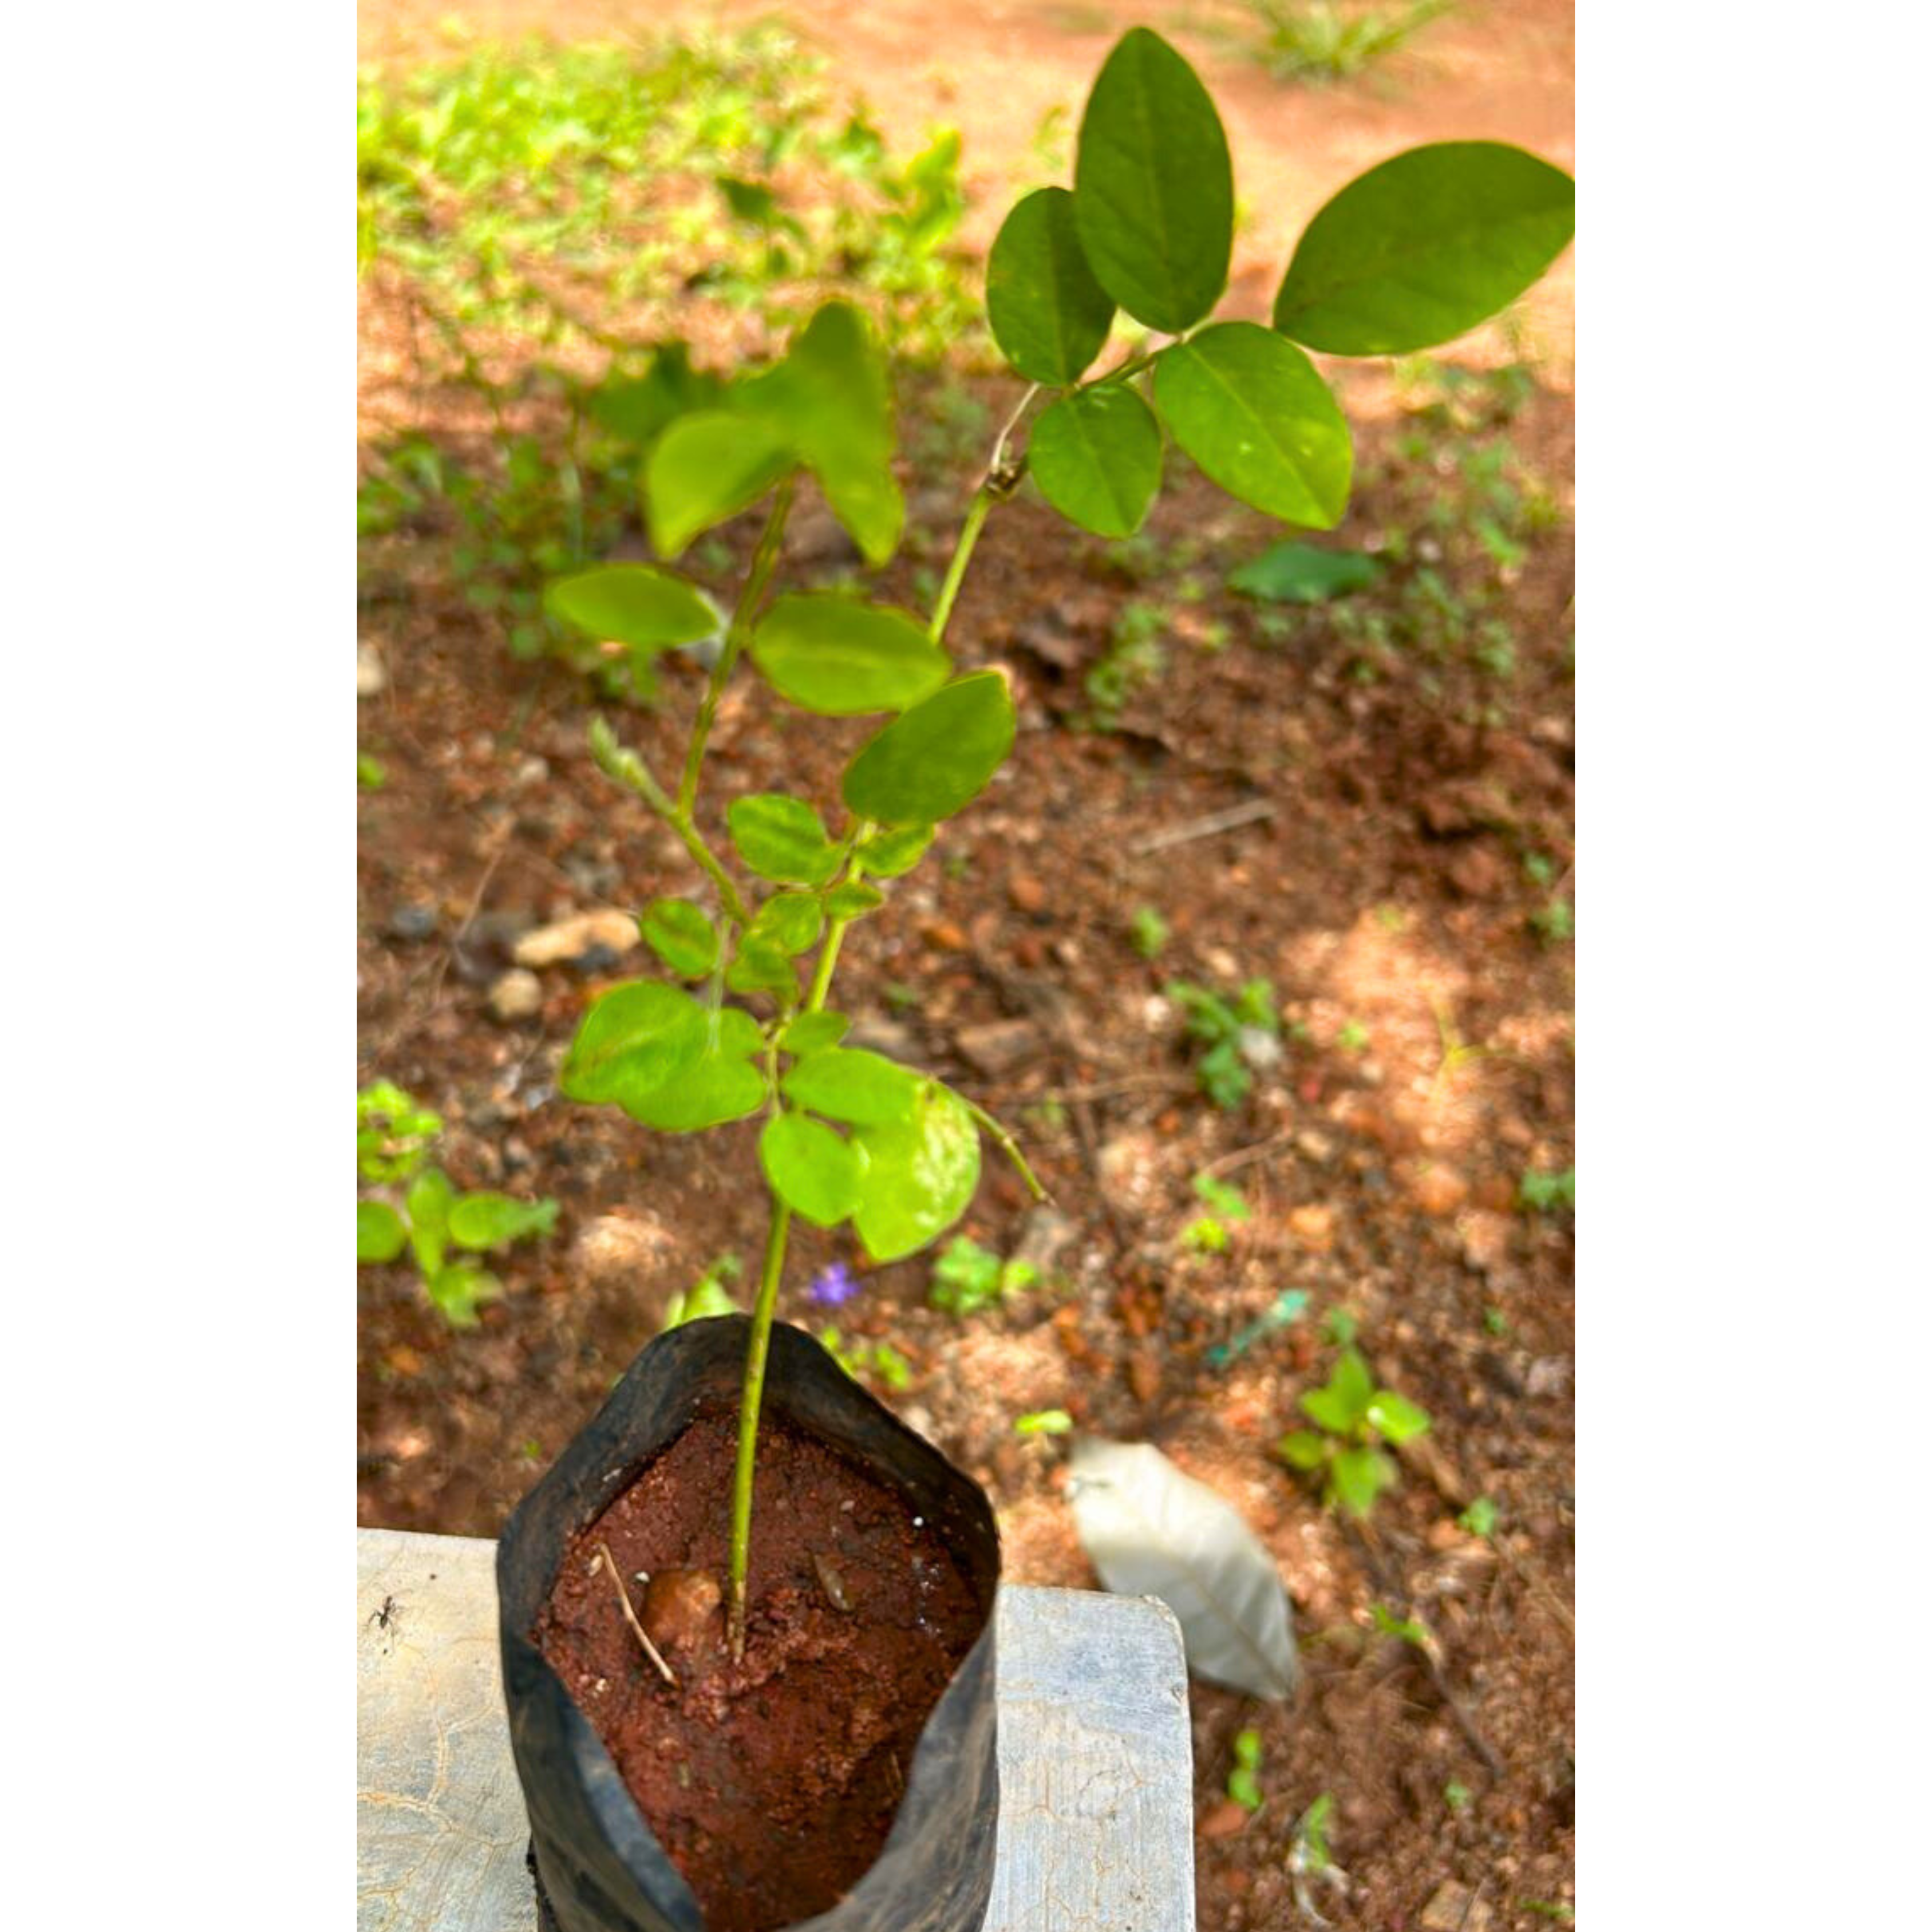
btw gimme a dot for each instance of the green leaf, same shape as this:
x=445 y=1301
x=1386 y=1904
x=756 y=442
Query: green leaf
x=486 y=1220
x=1304 y=1448
x=1358 y=1476
x=853 y=899
x=1423 y=247
x=456 y=1291
x=1153 y=189
x=937 y=758
x=781 y=838
x=428 y=1203
x=1343 y=1404
x=722 y=1084
x=894 y=850
x=830 y=401
x=848 y=1083
x=921 y=1169
x=1096 y=455
x=1043 y=1422
x=812 y=1033
x=1394 y=1418
x=811 y=1168
x=638 y=408
x=762 y=967
x=1254 y=412
x=830 y=654
x=682 y=935
x=634 y=604
x=704 y=469
x=1299 y=573
x=790 y=921
x=379 y=1232
x=638 y=1037
x=1048 y=314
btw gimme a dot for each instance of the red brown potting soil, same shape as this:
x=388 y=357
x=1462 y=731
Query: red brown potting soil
x=771 y=1783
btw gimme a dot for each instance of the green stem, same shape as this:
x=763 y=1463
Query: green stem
x=620 y=762
x=1122 y=370
x=1008 y=1146
x=763 y=563
x=962 y=555
x=748 y=1417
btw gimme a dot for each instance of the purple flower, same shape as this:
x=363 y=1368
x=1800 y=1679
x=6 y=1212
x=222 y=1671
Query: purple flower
x=832 y=1286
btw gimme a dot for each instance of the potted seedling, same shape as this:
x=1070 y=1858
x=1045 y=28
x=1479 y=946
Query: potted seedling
x=747 y=1617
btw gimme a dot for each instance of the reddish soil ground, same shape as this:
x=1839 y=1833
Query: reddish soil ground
x=1384 y=894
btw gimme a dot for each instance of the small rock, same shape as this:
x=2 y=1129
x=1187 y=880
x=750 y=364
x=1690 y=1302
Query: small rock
x=944 y=934
x=371 y=678
x=893 y=1038
x=1313 y=1227
x=593 y=876
x=1227 y=1820
x=1486 y=1240
x=623 y=1251
x=1047 y=639
x=1045 y=1236
x=1317 y=1147
x=1128 y=1164
x=1479 y=873
x=516 y=996
x=999 y=1047
x=594 y=959
x=1439 y=1190
x=1261 y=1049
x=1222 y=963
x=1452 y=1909
x=1549 y=1375
x=413 y=924
x=532 y=771
x=683 y=1611
x=570 y=938
x=1027 y=894
x=815 y=536
x=1144 y=1374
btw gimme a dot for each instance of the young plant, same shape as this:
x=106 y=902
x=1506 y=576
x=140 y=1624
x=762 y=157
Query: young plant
x=1208 y=1234
x=1356 y=1418
x=1244 y=1781
x=1414 y=252
x=1240 y=1035
x=706 y=1296
x=393 y=1136
x=1545 y=1193
x=1148 y=931
x=1044 y=1422
x=879 y=1359
x=967 y=1279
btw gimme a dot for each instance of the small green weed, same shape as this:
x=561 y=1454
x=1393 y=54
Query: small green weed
x=879 y=1359
x=1244 y=1781
x=1237 y=1036
x=1043 y=1422
x=1209 y=1233
x=1356 y=1418
x=1547 y=1193
x=1554 y=922
x=967 y=1278
x=1479 y=1519
x=394 y=1137
x=1132 y=662
x=706 y=1296
x=371 y=774
x=1457 y=1796
x=1148 y=931
x=1318 y=43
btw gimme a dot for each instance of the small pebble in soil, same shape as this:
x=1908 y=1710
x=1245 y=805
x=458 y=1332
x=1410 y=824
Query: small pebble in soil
x=570 y=938
x=371 y=677
x=516 y=996
x=413 y=924
x=683 y=1611
x=1314 y=1228
x=594 y=959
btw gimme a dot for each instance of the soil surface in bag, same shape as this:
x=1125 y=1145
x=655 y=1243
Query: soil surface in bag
x=771 y=1784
